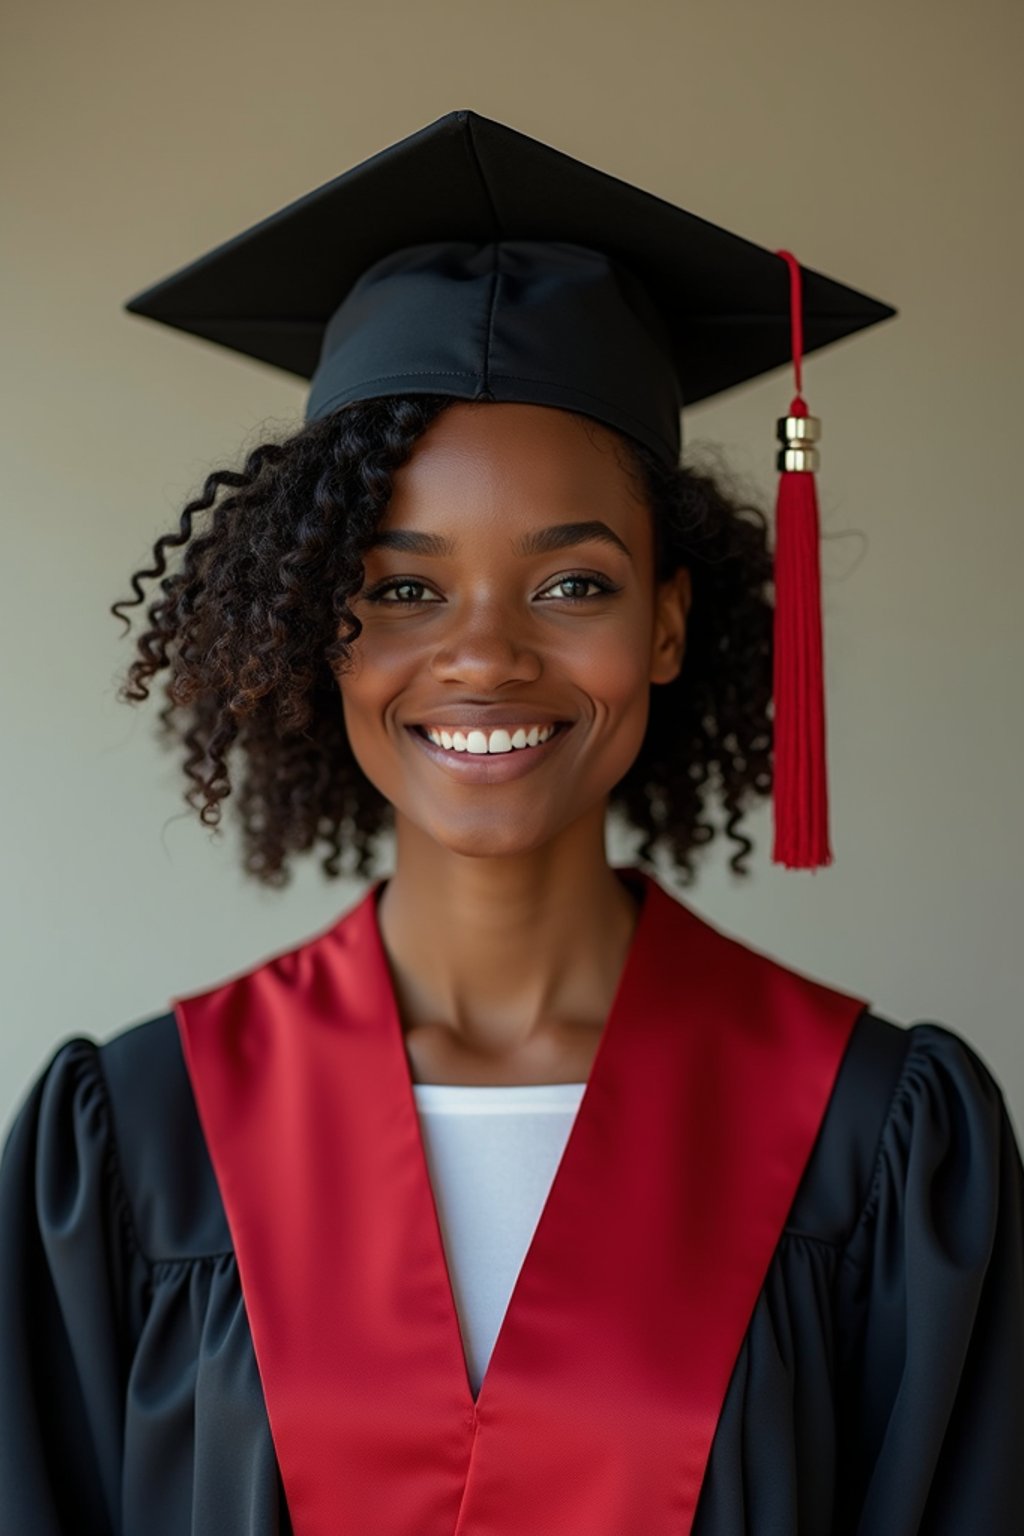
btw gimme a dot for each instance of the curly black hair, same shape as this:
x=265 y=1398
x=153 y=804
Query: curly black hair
x=254 y=627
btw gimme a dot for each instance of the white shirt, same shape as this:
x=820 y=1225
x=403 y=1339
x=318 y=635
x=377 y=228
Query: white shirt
x=492 y=1154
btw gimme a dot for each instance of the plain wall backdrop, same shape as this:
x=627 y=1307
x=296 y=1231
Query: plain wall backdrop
x=880 y=143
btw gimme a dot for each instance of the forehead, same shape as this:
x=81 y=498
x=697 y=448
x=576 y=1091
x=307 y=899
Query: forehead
x=526 y=460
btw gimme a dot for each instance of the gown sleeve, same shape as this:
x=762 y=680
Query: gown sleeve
x=932 y=1323
x=65 y=1264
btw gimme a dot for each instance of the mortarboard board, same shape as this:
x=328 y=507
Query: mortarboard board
x=470 y=259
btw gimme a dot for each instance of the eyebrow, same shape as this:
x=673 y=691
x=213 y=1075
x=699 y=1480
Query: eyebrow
x=540 y=541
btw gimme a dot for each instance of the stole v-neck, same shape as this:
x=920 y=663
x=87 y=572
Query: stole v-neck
x=600 y=1400
x=492 y=1153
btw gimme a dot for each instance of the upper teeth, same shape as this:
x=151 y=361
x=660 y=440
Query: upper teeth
x=490 y=741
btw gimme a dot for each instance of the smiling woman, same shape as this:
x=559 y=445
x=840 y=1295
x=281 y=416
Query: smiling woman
x=494 y=631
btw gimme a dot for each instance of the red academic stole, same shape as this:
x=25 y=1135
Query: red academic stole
x=601 y=1398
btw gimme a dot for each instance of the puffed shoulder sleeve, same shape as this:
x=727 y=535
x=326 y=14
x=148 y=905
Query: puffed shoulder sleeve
x=66 y=1270
x=931 y=1347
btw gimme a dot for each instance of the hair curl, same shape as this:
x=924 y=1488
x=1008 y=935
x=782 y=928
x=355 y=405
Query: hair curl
x=250 y=628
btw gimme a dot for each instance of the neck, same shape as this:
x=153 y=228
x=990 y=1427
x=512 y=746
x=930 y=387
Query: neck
x=505 y=964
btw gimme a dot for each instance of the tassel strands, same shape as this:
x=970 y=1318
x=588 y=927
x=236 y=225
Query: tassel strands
x=800 y=788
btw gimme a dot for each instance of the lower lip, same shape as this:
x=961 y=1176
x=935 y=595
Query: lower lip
x=491 y=767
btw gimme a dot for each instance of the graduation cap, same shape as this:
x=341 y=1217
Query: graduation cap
x=472 y=260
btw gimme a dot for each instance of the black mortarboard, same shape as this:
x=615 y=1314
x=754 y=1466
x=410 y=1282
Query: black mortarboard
x=472 y=260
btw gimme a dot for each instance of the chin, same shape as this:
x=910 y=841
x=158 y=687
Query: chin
x=488 y=841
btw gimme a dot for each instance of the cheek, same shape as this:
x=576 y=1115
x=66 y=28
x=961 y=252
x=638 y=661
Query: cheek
x=359 y=689
x=360 y=711
x=613 y=664
x=618 y=683
x=621 y=677
x=379 y=667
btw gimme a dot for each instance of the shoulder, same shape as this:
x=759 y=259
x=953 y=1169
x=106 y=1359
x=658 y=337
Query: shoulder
x=162 y=1152
x=120 y=1114
x=899 y=1086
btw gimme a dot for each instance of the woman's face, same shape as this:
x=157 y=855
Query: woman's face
x=494 y=612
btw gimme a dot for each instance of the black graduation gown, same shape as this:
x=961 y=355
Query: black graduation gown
x=879 y=1389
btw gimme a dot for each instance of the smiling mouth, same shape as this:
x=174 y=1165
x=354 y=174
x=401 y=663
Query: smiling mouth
x=491 y=767
x=558 y=727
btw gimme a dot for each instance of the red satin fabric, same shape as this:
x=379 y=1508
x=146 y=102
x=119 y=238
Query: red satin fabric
x=600 y=1401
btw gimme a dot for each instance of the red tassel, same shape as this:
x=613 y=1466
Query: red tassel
x=800 y=790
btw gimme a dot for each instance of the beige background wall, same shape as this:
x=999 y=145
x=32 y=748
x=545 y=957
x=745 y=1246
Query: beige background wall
x=882 y=143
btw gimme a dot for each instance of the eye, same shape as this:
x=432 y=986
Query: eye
x=376 y=594
x=584 y=578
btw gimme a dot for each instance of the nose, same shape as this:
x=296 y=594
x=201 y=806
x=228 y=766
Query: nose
x=485 y=645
